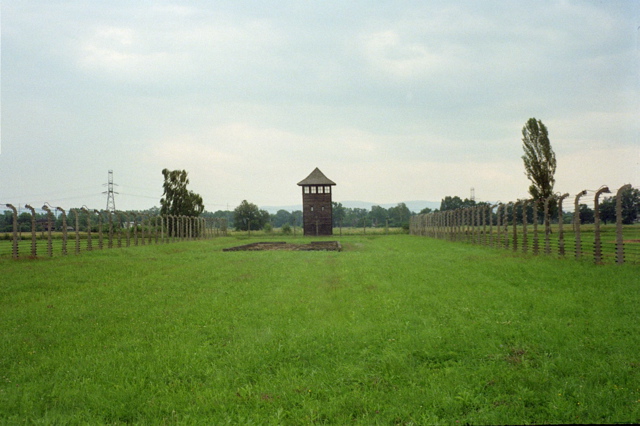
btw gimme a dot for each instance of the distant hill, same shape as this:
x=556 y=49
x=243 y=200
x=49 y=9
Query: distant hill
x=414 y=206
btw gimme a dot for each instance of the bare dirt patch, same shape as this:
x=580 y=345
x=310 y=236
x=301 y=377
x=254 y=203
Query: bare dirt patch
x=313 y=246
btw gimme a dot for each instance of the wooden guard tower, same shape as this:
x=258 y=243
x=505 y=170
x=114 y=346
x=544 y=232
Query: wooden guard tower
x=317 y=215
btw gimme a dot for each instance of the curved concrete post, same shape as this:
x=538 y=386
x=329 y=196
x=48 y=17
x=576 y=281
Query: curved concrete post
x=485 y=239
x=75 y=213
x=491 y=207
x=110 y=216
x=14 y=246
x=536 y=242
x=506 y=224
x=135 y=229
x=576 y=222
x=547 y=225
x=128 y=227
x=143 y=218
x=597 y=244
x=99 y=228
x=49 y=225
x=499 y=225
x=525 y=241
x=84 y=209
x=560 y=225
x=121 y=220
x=514 y=217
x=64 y=230
x=34 y=250
x=619 y=240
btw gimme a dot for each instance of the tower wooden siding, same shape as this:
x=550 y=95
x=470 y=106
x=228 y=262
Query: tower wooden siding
x=317 y=212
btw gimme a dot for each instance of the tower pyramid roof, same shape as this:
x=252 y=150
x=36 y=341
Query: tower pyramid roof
x=316 y=178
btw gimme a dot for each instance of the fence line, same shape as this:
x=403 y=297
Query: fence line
x=119 y=229
x=476 y=225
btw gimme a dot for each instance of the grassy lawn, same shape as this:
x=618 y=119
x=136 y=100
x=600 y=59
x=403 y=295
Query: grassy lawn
x=393 y=330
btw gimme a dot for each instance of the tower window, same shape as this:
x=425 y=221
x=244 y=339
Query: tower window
x=306 y=189
x=320 y=190
x=327 y=190
x=313 y=189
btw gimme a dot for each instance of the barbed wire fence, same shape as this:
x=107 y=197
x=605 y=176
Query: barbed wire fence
x=526 y=226
x=82 y=229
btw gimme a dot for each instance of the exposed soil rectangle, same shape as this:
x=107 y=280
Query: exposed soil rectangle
x=313 y=246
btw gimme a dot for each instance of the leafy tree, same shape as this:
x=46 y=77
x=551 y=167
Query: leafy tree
x=630 y=205
x=378 y=215
x=281 y=218
x=586 y=214
x=426 y=210
x=339 y=214
x=248 y=216
x=539 y=159
x=400 y=215
x=177 y=199
x=453 y=203
x=607 y=210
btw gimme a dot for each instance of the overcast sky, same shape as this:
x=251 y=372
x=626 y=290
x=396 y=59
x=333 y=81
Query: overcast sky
x=393 y=100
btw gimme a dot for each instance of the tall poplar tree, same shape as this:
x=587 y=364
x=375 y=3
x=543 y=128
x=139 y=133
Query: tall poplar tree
x=539 y=159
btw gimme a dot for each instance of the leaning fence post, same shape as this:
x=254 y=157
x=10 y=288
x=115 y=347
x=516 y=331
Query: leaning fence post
x=576 y=222
x=619 y=240
x=560 y=223
x=597 y=245
x=14 y=249
x=49 y=225
x=34 y=251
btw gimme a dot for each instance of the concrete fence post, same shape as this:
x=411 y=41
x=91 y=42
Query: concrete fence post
x=49 y=225
x=505 y=221
x=135 y=229
x=515 y=225
x=499 y=225
x=561 y=250
x=525 y=241
x=109 y=215
x=34 y=243
x=536 y=241
x=86 y=211
x=576 y=222
x=547 y=226
x=619 y=239
x=75 y=212
x=99 y=228
x=14 y=239
x=491 y=238
x=64 y=230
x=121 y=222
x=597 y=244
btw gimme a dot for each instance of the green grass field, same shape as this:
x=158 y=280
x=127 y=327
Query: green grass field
x=393 y=330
